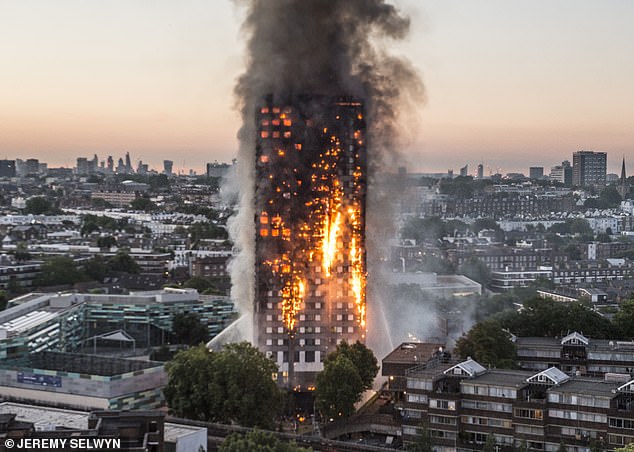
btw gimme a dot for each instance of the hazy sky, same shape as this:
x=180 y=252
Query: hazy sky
x=510 y=83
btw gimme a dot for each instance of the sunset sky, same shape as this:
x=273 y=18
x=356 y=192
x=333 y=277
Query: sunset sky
x=510 y=83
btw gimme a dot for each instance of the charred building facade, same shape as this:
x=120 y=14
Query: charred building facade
x=310 y=230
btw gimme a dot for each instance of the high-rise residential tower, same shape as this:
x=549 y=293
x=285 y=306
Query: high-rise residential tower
x=310 y=230
x=589 y=168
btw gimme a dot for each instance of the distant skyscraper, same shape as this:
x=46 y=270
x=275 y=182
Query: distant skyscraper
x=464 y=171
x=32 y=167
x=167 y=167
x=589 y=168
x=216 y=169
x=121 y=167
x=480 y=171
x=7 y=168
x=83 y=166
x=110 y=164
x=128 y=164
x=536 y=172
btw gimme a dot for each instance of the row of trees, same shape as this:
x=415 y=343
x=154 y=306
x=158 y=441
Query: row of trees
x=489 y=341
x=234 y=385
x=62 y=270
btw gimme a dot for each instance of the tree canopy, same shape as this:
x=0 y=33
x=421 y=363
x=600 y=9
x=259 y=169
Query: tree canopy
x=231 y=385
x=258 y=441
x=59 y=270
x=39 y=205
x=545 y=317
x=488 y=344
x=362 y=358
x=338 y=387
x=188 y=329
x=624 y=319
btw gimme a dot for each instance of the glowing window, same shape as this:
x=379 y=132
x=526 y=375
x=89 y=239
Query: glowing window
x=264 y=232
x=265 y=122
x=264 y=110
x=264 y=158
x=276 y=109
x=287 y=123
x=276 y=122
x=264 y=134
x=276 y=134
x=287 y=134
x=298 y=146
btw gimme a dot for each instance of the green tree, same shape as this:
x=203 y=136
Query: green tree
x=199 y=283
x=144 y=204
x=207 y=231
x=488 y=344
x=59 y=270
x=362 y=358
x=123 y=262
x=188 y=329
x=106 y=242
x=562 y=447
x=338 y=387
x=628 y=448
x=624 y=319
x=158 y=182
x=96 y=268
x=232 y=385
x=545 y=317
x=21 y=252
x=421 y=229
x=4 y=300
x=477 y=270
x=38 y=205
x=258 y=441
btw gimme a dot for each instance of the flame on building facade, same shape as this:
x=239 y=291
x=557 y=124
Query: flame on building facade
x=310 y=225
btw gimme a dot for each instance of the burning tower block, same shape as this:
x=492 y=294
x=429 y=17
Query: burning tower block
x=310 y=226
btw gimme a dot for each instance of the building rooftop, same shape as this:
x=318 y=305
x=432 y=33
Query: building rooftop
x=500 y=377
x=45 y=418
x=587 y=386
x=413 y=353
x=28 y=321
x=79 y=363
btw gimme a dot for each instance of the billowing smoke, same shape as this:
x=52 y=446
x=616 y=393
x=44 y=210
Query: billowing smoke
x=319 y=47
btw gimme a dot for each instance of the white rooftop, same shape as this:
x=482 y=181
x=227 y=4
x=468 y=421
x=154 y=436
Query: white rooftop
x=469 y=368
x=28 y=321
x=551 y=375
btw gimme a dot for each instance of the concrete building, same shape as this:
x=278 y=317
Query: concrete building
x=116 y=198
x=589 y=168
x=463 y=404
x=142 y=431
x=576 y=354
x=310 y=222
x=83 y=381
x=438 y=286
x=69 y=321
x=7 y=168
x=168 y=165
x=216 y=169
x=536 y=172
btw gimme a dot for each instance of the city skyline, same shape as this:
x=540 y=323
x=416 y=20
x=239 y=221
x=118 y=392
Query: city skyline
x=511 y=85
